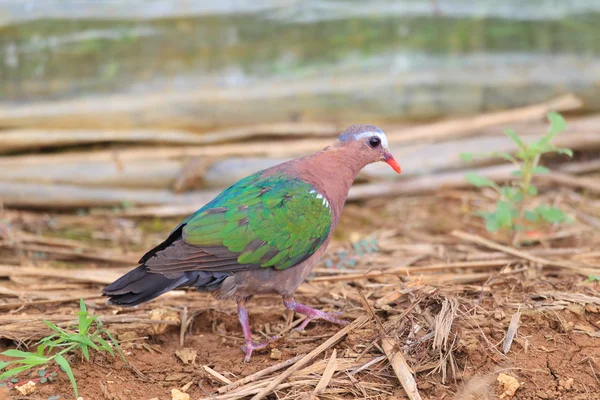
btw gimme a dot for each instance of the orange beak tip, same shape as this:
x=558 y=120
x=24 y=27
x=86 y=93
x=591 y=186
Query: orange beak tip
x=394 y=164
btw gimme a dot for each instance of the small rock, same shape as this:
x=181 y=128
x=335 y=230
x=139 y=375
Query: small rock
x=275 y=354
x=566 y=384
x=178 y=395
x=26 y=389
x=186 y=387
x=541 y=394
x=507 y=386
x=187 y=356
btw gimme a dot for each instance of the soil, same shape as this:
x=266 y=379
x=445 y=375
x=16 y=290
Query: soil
x=555 y=353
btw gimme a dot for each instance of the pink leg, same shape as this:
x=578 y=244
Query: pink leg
x=250 y=345
x=311 y=313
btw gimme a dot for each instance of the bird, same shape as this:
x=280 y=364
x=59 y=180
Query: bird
x=261 y=235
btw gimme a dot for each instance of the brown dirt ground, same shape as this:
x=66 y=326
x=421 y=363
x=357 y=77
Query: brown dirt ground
x=555 y=354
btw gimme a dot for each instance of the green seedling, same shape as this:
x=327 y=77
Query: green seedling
x=53 y=348
x=511 y=211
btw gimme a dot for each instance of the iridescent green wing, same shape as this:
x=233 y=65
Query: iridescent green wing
x=262 y=221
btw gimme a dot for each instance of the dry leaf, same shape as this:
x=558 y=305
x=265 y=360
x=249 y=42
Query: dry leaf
x=187 y=356
x=507 y=386
x=26 y=389
x=163 y=314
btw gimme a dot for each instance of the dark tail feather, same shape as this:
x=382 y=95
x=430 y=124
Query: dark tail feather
x=140 y=285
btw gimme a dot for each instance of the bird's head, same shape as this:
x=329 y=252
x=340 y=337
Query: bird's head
x=370 y=144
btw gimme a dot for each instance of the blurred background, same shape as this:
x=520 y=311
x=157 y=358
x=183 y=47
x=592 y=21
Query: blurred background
x=89 y=79
x=119 y=117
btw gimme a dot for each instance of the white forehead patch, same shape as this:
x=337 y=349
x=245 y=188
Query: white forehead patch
x=380 y=135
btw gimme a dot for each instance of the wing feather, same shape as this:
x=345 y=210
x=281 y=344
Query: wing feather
x=260 y=222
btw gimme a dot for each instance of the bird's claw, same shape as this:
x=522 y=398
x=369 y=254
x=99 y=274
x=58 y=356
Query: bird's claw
x=330 y=317
x=250 y=346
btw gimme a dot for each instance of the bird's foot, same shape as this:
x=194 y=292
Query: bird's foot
x=251 y=345
x=331 y=317
x=312 y=314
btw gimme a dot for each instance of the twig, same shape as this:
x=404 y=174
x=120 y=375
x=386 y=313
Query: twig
x=184 y=325
x=260 y=374
x=512 y=331
x=357 y=323
x=512 y=251
x=217 y=375
x=416 y=270
x=401 y=368
x=327 y=375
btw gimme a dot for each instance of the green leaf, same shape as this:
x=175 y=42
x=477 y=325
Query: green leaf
x=16 y=353
x=14 y=371
x=531 y=216
x=540 y=170
x=491 y=225
x=64 y=364
x=479 y=181
x=504 y=214
x=4 y=364
x=84 y=340
x=505 y=156
x=42 y=372
x=566 y=151
x=84 y=322
x=515 y=138
x=86 y=352
x=532 y=190
x=551 y=214
x=517 y=173
x=509 y=193
x=557 y=123
x=116 y=344
x=468 y=157
x=104 y=344
x=518 y=197
x=43 y=380
x=55 y=328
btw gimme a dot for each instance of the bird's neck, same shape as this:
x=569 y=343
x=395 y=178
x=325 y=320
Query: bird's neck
x=332 y=172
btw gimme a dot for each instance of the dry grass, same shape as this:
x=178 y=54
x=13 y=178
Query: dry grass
x=433 y=307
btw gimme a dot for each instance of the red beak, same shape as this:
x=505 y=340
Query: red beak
x=389 y=158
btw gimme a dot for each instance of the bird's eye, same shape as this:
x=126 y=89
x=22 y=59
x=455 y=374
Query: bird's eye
x=374 y=141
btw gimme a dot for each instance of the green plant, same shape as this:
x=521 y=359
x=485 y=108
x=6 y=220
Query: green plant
x=53 y=348
x=511 y=210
